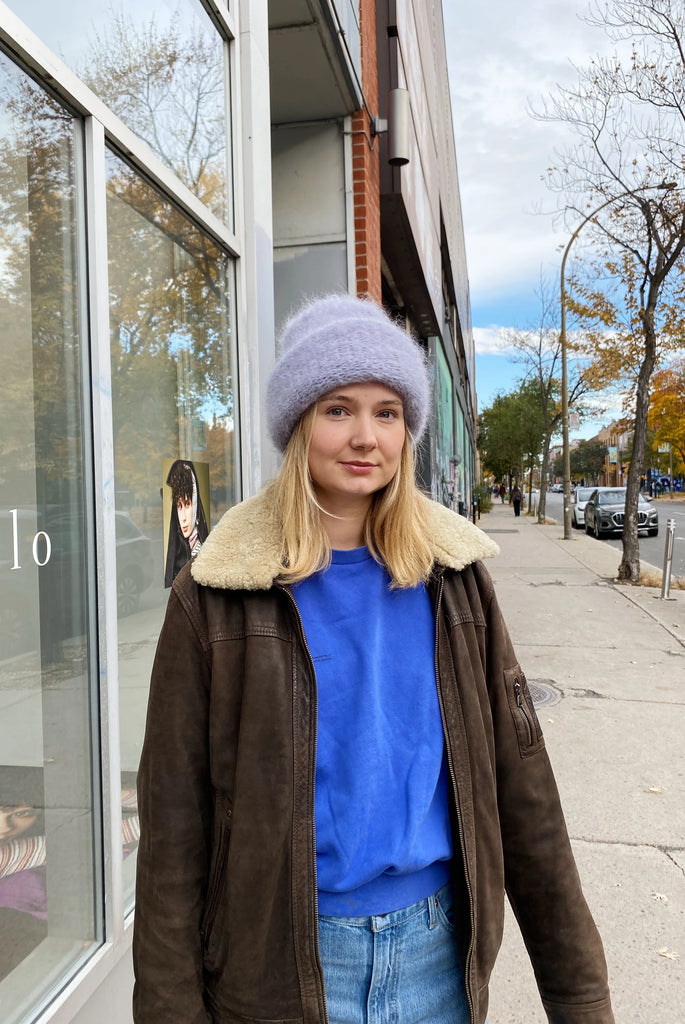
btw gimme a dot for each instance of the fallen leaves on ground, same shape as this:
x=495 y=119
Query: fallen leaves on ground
x=668 y=954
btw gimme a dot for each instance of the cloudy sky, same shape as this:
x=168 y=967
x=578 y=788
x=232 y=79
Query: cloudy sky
x=504 y=56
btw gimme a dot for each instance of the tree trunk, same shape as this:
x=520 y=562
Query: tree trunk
x=629 y=568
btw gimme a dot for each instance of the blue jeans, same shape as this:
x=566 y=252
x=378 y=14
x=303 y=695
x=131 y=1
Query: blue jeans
x=397 y=968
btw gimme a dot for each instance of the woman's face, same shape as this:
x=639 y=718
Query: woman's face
x=15 y=820
x=356 y=443
x=184 y=510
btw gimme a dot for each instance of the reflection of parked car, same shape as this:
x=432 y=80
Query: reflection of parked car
x=19 y=574
x=605 y=511
x=578 y=500
x=134 y=555
x=43 y=581
x=135 y=567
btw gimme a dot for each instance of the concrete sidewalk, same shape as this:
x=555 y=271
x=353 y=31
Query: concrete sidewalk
x=606 y=664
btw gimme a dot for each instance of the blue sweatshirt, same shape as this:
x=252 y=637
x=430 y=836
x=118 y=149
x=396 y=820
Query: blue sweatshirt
x=383 y=836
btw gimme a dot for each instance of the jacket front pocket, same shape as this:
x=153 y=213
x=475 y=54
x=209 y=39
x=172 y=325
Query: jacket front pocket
x=217 y=880
x=528 y=731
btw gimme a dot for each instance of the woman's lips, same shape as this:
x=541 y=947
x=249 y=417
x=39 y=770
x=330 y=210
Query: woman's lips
x=359 y=467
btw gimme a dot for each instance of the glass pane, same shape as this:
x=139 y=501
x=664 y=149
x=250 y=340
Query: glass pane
x=159 y=65
x=172 y=394
x=48 y=917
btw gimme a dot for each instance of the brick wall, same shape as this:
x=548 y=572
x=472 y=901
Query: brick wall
x=365 y=166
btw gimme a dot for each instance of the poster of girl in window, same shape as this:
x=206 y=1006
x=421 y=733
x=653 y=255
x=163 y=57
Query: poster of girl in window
x=186 y=525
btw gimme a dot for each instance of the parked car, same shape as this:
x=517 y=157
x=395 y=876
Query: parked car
x=578 y=501
x=135 y=564
x=557 y=488
x=41 y=575
x=605 y=512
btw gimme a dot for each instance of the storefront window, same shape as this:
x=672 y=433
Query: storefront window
x=172 y=396
x=160 y=66
x=49 y=871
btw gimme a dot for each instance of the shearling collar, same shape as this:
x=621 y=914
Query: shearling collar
x=242 y=551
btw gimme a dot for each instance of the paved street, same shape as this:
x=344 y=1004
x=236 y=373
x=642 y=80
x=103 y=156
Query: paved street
x=609 y=663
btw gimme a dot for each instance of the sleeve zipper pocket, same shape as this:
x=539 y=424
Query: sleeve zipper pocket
x=528 y=731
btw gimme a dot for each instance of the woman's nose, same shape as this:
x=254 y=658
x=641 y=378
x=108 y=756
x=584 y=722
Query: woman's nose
x=364 y=435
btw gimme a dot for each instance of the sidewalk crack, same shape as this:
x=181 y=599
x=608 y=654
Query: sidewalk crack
x=667 y=850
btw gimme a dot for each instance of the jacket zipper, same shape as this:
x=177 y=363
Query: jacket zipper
x=453 y=779
x=312 y=773
x=518 y=694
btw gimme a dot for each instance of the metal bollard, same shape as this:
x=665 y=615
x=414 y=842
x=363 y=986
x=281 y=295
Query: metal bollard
x=668 y=559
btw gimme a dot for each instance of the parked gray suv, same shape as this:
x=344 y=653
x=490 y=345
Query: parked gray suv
x=605 y=512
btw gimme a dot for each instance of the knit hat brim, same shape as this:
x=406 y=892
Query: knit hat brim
x=340 y=340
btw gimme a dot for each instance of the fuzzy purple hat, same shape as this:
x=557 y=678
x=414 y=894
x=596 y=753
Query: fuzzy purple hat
x=338 y=340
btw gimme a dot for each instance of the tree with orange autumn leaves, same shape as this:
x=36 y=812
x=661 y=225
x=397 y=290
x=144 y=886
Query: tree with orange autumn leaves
x=628 y=113
x=667 y=411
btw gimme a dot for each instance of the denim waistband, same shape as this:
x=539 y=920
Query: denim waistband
x=378 y=922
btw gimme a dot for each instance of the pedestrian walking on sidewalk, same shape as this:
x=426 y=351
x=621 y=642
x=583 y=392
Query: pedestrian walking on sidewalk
x=342 y=768
x=516 y=499
x=502 y=492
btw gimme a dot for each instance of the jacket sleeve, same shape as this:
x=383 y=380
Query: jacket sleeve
x=541 y=877
x=175 y=806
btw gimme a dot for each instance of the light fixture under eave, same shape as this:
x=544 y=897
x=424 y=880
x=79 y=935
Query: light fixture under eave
x=398 y=127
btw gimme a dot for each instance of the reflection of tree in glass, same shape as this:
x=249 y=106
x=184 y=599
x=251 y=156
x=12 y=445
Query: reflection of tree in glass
x=38 y=308
x=169 y=287
x=167 y=85
x=170 y=329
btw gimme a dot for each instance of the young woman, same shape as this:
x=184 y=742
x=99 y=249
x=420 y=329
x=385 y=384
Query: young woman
x=517 y=498
x=343 y=770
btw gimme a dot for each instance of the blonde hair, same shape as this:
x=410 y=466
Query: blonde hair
x=395 y=531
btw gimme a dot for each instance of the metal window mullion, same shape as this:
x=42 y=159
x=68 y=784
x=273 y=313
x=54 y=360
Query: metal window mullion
x=240 y=334
x=103 y=438
x=229 y=160
x=254 y=229
x=138 y=153
x=221 y=16
x=90 y=583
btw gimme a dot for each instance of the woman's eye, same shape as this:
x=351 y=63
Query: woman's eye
x=388 y=414
x=336 y=411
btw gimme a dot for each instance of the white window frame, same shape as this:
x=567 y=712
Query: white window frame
x=249 y=244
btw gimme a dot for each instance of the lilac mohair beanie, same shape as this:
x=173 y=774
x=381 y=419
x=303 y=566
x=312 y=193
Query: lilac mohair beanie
x=338 y=340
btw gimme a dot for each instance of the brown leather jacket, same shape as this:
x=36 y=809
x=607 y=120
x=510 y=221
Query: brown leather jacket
x=226 y=915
